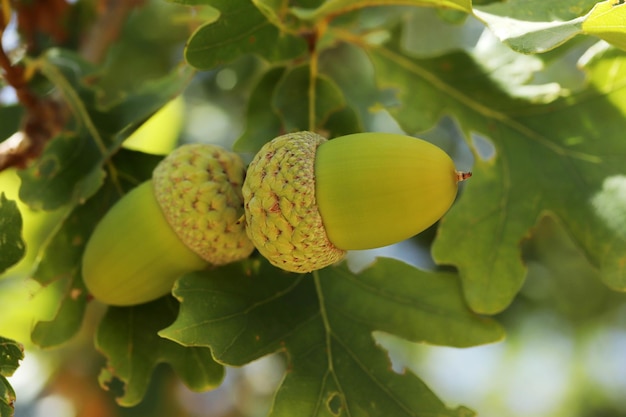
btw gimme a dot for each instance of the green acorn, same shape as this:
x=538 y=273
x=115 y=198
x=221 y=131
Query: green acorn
x=309 y=200
x=182 y=220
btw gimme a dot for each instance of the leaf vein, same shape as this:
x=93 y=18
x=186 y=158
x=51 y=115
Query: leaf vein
x=396 y=298
x=375 y=380
x=474 y=105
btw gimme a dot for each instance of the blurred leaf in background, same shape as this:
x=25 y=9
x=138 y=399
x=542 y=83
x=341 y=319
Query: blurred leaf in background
x=12 y=244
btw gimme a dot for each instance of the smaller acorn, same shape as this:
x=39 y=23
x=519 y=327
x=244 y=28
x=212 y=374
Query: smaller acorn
x=182 y=220
x=308 y=200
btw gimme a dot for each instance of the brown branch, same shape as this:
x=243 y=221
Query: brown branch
x=43 y=118
x=111 y=17
x=14 y=75
x=41 y=17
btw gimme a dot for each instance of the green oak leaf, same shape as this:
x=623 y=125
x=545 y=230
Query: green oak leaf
x=323 y=323
x=62 y=255
x=351 y=70
x=547 y=157
x=531 y=37
x=11 y=353
x=559 y=274
x=241 y=29
x=290 y=96
x=72 y=166
x=343 y=122
x=607 y=20
x=262 y=123
x=537 y=26
x=128 y=337
x=12 y=245
x=293 y=97
x=69 y=315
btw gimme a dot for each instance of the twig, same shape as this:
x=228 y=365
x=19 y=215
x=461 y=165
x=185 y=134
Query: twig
x=42 y=120
x=106 y=29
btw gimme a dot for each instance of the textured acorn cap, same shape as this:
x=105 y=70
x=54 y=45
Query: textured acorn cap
x=198 y=187
x=282 y=217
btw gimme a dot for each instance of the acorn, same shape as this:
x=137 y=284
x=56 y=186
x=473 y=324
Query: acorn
x=182 y=220
x=308 y=200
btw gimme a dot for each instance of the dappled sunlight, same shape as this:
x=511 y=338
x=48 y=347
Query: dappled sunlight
x=54 y=406
x=605 y=362
x=610 y=203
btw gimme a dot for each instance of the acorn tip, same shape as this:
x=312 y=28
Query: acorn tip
x=463 y=175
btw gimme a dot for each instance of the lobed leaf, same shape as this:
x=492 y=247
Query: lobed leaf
x=351 y=70
x=68 y=318
x=12 y=245
x=241 y=29
x=323 y=323
x=300 y=105
x=559 y=274
x=11 y=353
x=127 y=336
x=530 y=37
x=290 y=97
x=534 y=26
x=343 y=122
x=262 y=123
x=71 y=168
x=607 y=21
x=538 y=26
x=547 y=157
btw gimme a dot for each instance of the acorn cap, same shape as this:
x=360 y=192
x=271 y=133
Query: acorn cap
x=282 y=216
x=198 y=187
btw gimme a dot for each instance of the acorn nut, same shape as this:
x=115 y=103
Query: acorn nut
x=308 y=200
x=182 y=220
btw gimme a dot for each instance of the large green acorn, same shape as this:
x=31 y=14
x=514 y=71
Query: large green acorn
x=308 y=200
x=182 y=220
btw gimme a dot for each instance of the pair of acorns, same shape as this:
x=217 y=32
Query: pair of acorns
x=302 y=202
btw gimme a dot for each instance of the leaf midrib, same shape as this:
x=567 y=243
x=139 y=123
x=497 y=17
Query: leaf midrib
x=477 y=107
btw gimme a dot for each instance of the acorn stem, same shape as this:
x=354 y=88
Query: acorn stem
x=462 y=175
